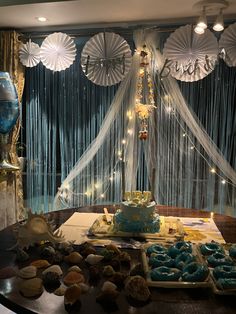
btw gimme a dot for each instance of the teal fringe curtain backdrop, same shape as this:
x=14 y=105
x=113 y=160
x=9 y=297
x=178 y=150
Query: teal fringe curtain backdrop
x=63 y=113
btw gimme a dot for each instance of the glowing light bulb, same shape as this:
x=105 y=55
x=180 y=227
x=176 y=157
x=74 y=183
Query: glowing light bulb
x=96 y=185
x=129 y=114
x=192 y=147
x=130 y=131
x=213 y=170
x=168 y=109
x=111 y=179
x=102 y=195
x=199 y=30
x=223 y=181
x=184 y=134
x=41 y=19
x=141 y=71
x=123 y=141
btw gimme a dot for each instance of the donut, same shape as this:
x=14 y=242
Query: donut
x=226 y=283
x=232 y=251
x=183 y=259
x=224 y=271
x=179 y=247
x=210 y=248
x=218 y=259
x=160 y=260
x=156 y=248
x=195 y=272
x=164 y=273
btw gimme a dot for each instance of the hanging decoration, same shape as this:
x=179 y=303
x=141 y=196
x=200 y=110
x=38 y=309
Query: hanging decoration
x=145 y=96
x=29 y=54
x=58 y=52
x=227 y=45
x=106 y=59
x=189 y=56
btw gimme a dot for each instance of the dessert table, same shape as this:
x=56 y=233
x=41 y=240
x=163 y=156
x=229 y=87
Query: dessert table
x=162 y=300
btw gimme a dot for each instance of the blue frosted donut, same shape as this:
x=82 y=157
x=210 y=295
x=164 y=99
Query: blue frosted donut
x=232 y=251
x=224 y=271
x=218 y=259
x=160 y=260
x=156 y=248
x=165 y=274
x=195 y=272
x=183 y=259
x=211 y=248
x=226 y=283
x=179 y=247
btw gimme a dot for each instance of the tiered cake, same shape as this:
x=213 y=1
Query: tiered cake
x=137 y=214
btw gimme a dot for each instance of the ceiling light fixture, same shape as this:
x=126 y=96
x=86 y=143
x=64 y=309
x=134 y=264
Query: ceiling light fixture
x=202 y=20
x=41 y=19
x=219 y=23
x=201 y=23
x=199 y=30
x=208 y=8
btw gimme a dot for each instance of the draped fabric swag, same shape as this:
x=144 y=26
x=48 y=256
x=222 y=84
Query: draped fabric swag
x=64 y=112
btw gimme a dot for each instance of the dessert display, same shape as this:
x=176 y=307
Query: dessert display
x=176 y=265
x=222 y=264
x=103 y=273
x=137 y=214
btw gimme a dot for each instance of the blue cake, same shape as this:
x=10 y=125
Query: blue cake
x=137 y=216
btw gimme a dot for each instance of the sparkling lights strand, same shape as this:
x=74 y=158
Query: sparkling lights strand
x=185 y=134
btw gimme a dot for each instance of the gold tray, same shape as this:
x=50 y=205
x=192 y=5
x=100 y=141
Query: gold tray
x=173 y=284
x=171 y=229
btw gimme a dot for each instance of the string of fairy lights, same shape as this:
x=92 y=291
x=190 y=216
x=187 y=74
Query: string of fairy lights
x=171 y=110
x=66 y=192
x=142 y=111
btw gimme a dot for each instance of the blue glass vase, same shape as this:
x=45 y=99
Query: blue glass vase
x=9 y=113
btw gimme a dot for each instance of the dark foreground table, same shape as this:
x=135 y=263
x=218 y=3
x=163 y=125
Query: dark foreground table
x=176 y=301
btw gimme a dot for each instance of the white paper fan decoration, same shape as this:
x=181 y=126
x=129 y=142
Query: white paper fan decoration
x=106 y=59
x=58 y=51
x=227 y=43
x=29 y=54
x=192 y=56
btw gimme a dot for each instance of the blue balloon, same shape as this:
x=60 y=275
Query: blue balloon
x=9 y=104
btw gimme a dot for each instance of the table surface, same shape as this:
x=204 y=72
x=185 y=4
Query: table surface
x=162 y=300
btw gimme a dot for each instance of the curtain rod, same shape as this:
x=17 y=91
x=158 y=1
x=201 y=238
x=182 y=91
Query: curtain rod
x=32 y=35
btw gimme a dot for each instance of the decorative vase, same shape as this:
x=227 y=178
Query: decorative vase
x=9 y=113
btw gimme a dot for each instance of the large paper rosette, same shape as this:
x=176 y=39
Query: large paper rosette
x=191 y=56
x=29 y=54
x=227 y=43
x=106 y=59
x=58 y=52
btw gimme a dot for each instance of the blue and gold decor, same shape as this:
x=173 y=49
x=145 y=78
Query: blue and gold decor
x=9 y=112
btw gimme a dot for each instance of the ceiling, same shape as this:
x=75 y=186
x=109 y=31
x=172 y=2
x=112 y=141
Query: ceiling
x=94 y=13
